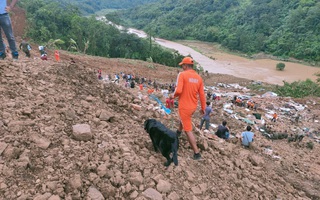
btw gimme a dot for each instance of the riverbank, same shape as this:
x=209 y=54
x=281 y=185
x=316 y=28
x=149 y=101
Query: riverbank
x=255 y=69
x=216 y=61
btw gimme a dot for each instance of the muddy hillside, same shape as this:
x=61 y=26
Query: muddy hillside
x=64 y=134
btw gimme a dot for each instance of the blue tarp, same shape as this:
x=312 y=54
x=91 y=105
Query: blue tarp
x=167 y=110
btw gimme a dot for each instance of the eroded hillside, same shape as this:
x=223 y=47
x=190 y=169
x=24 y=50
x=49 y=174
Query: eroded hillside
x=43 y=158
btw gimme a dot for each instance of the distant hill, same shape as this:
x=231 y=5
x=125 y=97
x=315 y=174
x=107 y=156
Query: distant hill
x=90 y=7
x=58 y=25
x=287 y=28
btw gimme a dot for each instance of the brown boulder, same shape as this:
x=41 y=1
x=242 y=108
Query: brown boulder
x=82 y=132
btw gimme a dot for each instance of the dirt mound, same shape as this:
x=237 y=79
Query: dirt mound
x=66 y=135
x=19 y=22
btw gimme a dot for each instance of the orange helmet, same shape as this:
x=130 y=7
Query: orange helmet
x=187 y=60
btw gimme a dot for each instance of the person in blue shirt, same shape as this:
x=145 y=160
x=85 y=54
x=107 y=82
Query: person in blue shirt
x=247 y=137
x=206 y=116
x=6 y=26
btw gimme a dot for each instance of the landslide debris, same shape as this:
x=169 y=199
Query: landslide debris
x=66 y=135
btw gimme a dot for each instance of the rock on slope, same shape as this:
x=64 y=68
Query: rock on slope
x=65 y=135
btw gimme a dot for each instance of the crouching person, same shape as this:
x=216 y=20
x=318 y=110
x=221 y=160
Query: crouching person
x=247 y=137
x=223 y=131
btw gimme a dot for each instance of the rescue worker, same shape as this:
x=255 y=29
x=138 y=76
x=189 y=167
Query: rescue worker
x=150 y=91
x=250 y=104
x=189 y=87
x=274 y=117
x=239 y=101
x=57 y=55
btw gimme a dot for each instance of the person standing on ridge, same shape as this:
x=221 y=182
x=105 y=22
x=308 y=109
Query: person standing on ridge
x=189 y=86
x=42 y=50
x=43 y=53
x=57 y=55
x=6 y=26
x=25 y=46
x=206 y=117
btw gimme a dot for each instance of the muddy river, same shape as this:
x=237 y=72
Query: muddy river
x=259 y=69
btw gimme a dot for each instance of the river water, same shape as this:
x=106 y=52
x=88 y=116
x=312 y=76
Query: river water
x=258 y=70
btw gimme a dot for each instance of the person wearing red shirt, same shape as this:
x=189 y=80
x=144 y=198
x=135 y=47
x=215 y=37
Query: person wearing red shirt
x=169 y=102
x=150 y=91
x=189 y=88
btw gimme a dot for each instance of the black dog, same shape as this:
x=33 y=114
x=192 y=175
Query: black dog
x=163 y=139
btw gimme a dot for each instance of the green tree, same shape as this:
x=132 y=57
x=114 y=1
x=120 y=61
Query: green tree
x=280 y=66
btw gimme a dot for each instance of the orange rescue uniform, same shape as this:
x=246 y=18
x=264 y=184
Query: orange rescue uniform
x=189 y=87
x=275 y=116
x=150 y=91
x=57 y=55
x=250 y=104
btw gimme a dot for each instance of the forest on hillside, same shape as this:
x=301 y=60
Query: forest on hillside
x=87 y=7
x=284 y=28
x=58 y=25
x=62 y=26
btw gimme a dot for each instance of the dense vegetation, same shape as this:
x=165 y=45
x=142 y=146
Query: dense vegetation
x=90 y=7
x=298 y=89
x=52 y=20
x=284 y=28
x=49 y=20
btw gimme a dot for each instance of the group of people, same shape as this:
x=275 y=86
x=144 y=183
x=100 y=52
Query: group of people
x=246 y=137
x=26 y=48
x=223 y=131
x=6 y=26
x=188 y=89
x=212 y=96
x=241 y=102
x=131 y=80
